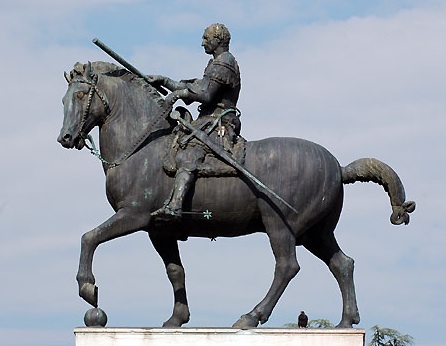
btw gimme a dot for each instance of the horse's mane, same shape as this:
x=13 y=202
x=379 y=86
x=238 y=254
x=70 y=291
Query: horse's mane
x=112 y=70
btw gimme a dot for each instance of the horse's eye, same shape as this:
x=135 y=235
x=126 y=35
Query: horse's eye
x=80 y=95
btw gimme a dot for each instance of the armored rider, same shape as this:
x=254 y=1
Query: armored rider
x=218 y=92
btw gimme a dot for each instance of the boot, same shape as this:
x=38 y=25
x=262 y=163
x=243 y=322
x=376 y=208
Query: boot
x=172 y=209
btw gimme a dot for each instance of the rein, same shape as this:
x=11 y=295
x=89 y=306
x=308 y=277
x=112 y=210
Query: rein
x=87 y=137
x=92 y=90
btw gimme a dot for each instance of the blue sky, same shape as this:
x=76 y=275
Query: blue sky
x=362 y=78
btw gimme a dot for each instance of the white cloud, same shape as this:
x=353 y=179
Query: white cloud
x=336 y=69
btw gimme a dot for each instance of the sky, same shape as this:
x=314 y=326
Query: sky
x=362 y=78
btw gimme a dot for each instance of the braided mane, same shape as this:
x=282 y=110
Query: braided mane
x=113 y=70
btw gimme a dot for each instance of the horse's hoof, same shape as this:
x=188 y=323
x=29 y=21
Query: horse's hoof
x=344 y=325
x=246 y=322
x=172 y=323
x=348 y=323
x=89 y=293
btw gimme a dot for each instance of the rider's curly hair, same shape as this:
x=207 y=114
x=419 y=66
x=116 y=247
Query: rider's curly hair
x=221 y=33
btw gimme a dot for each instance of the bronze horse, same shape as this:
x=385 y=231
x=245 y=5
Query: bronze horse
x=135 y=134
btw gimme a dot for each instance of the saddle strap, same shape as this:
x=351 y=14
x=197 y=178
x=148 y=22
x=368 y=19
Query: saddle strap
x=216 y=121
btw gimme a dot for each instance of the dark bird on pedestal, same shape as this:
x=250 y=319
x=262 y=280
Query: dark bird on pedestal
x=302 y=320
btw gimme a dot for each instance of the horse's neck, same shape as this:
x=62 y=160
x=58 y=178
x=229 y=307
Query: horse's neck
x=128 y=123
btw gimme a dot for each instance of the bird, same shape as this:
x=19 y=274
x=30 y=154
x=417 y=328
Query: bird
x=302 y=320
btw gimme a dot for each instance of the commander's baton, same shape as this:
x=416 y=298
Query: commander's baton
x=127 y=65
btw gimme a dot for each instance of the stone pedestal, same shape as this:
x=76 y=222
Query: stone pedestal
x=218 y=336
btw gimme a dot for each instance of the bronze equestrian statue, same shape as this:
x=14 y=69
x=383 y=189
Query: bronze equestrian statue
x=136 y=132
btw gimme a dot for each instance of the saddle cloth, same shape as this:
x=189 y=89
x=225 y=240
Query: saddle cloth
x=212 y=166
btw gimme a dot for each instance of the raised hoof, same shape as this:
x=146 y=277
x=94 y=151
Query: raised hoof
x=246 y=322
x=89 y=293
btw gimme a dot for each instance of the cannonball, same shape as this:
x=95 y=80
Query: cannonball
x=95 y=317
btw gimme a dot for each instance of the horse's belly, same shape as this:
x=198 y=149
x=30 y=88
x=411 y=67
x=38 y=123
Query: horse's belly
x=302 y=173
x=222 y=206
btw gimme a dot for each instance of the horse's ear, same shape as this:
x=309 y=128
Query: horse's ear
x=67 y=77
x=88 y=70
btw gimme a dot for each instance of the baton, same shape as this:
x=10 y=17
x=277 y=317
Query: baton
x=127 y=65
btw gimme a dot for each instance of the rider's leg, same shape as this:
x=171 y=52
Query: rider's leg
x=187 y=161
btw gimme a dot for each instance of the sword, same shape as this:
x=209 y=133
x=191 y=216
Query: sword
x=127 y=65
x=220 y=151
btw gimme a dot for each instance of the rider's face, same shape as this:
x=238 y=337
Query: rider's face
x=210 y=43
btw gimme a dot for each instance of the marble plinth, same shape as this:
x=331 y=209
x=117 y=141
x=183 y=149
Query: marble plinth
x=218 y=336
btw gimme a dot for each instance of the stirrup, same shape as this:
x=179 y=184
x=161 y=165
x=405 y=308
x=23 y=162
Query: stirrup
x=167 y=213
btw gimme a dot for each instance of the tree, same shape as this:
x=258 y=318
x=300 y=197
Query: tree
x=389 y=337
x=381 y=336
x=320 y=323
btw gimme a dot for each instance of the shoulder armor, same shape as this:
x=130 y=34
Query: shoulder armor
x=224 y=70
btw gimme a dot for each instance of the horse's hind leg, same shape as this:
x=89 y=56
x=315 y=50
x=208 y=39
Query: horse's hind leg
x=283 y=245
x=120 y=224
x=325 y=247
x=167 y=248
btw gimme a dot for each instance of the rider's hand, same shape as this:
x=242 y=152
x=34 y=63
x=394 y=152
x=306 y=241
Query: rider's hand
x=157 y=79
x=172 y=97
x=175 y=95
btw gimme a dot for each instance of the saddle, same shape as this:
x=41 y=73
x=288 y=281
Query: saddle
x=212 y=166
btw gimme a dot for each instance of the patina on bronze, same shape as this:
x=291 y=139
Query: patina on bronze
x=217 y=92
x=219 y=151
x=303 y=173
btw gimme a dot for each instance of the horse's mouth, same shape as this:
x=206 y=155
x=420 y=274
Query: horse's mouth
x=79 y=143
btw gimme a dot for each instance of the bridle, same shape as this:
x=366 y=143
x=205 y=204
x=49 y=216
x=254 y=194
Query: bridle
x=92 y=82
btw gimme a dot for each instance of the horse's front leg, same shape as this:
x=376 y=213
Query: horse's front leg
x=167 y=248
x=120 y=224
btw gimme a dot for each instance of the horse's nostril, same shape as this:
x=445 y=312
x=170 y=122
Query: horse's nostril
x=63 y=139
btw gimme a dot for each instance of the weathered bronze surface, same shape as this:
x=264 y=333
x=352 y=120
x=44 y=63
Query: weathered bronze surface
x=136 y=132
x=218 y=92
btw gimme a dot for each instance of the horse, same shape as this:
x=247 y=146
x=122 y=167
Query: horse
x=135 y=133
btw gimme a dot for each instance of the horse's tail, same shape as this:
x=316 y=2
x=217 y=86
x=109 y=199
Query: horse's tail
x=369 y=169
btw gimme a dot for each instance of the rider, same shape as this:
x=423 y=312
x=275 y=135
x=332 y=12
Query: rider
x=218 y=92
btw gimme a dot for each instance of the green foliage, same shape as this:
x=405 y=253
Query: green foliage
x=291 y=325
x=389 y=337
x=320 y=323
x=381 y=336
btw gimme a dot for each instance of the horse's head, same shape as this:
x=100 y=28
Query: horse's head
x=85 y=106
